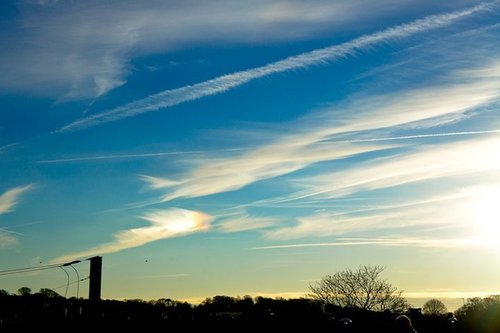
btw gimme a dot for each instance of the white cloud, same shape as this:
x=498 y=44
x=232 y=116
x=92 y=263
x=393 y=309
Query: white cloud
x=245 y=222
x=157 y=183
x=11 y=197
x=382 y=241
x=227 y=174
x=223 y=83
x=164 y=224
x=73 y=50
x=8 y=200
x=7 y=240
x=469 y=214
x=422 y=136
x=429 y=213
x=87 y=46
x=426 y=163
x=424 y=107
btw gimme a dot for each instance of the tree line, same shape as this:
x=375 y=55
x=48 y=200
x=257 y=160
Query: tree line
x=348 y=301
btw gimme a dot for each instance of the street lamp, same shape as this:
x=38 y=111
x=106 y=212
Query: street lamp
x=70 y=264
x=67 y=283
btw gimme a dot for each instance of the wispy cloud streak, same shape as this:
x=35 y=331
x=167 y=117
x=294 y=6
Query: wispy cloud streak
x=7 y=147
x=419 y=136
x=412 y=242
x=7 y=239
x=83 y=50
x=227 y=174
x=465 y=213
x=332 y=136
x=246 y=222
x=132 y=156
x=10 y=198
x=427 y=163
x=223 y=83
x=163 y=224
x=206 y=152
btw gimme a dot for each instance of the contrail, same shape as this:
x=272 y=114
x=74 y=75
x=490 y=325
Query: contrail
x=416 y=136
x=10 y=232
x=129 y=156
x=4 y=148
x=169 y=98
x=439 y=243
x=194 y=152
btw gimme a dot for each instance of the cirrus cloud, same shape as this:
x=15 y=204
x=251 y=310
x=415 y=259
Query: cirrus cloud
x=8 y=200
x=164 y=224
x=74 y=50
x=11 y=197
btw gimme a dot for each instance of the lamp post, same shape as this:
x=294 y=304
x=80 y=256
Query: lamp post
x=78 y=284
x=67 y=283
x=70 y=264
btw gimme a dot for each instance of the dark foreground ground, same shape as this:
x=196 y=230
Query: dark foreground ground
x=227 y=314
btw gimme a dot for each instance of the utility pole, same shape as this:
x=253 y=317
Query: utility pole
x=95 y=278
x=95 y=288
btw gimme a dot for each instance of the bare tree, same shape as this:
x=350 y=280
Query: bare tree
x=362 y=288
x=434 y=307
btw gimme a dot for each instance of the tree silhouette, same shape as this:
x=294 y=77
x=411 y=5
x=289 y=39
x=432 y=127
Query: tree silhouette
x=40 y=311
x=24 y=291
x=362 y=288
x=48 y=293
x=434 y=307
x=480 y=314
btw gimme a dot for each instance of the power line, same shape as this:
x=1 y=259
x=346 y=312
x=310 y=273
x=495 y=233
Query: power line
x=71 y=283
x=35 y=268
x=95 y=275
x=27 y=269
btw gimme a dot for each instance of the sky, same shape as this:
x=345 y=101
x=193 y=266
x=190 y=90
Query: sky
x=250 y=147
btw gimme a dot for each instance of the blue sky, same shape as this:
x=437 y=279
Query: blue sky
x=251 y=147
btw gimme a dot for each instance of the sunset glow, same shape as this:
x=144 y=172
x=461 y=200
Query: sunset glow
x=485 y=210
x=250 y=147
